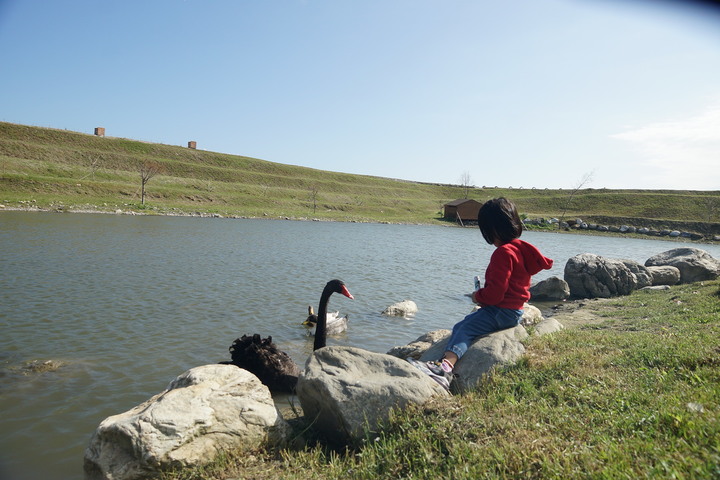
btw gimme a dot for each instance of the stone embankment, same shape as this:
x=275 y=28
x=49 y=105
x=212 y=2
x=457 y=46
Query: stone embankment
x=653 y=228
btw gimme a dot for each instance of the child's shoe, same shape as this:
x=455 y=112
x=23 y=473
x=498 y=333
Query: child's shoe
x=441 y=367
x=443 y=379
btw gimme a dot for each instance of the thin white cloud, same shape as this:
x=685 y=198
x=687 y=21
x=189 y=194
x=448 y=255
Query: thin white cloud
x=682 y=153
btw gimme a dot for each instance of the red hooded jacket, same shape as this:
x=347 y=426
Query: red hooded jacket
x=507 y=278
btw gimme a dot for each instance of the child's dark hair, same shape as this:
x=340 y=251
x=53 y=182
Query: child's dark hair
x=498 y=220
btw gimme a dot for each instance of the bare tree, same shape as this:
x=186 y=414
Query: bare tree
x=148 y=169
x=313 y=196
x=587 y=178
x=94 y=165
x=466 y=182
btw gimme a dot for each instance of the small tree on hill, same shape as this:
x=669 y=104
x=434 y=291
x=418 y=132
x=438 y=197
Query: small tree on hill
x=148 y=169
x=587 y=178
x=466 y=182
x=314 y=190
x=94 y=164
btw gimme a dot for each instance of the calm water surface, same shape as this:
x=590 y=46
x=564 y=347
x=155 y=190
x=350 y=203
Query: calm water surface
x=127 y=303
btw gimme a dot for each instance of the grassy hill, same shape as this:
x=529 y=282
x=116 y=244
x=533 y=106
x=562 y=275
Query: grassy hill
x=51 y=168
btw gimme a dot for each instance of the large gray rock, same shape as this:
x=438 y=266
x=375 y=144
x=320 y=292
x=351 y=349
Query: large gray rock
x=664 y=275
x=642 y=274
x=502 y=347
x=346 y=390
x=593 y=276
x=498 y=348
x=532 y=317
x=552 y=288
x=204 y=411
x=694 y=264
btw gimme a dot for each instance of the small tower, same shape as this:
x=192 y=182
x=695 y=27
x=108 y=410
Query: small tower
x=100 y=131
x=192 y=144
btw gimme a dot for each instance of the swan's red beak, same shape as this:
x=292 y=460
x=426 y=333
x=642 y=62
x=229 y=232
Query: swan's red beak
x=346 y=292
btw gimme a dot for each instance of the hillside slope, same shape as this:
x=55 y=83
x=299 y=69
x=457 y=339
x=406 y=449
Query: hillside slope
x=51 y=168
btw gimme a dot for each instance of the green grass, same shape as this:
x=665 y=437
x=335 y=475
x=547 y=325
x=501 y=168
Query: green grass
x=48 y=168
x=635 y=394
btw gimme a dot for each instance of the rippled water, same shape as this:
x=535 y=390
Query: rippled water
x=127 y=303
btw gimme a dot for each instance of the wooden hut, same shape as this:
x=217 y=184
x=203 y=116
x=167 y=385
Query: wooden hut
x=463 y=209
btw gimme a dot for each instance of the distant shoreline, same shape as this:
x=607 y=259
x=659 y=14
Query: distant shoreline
x=70 y=209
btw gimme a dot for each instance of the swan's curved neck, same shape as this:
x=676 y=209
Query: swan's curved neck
x=320 y=328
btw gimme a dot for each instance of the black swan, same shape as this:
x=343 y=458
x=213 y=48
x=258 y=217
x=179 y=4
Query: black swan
x=333 y=286
x=275 y=368
x=335 y=323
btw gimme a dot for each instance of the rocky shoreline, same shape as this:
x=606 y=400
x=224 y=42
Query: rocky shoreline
x=651 y=228
x=347 y=393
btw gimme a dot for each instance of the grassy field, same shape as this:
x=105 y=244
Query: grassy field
x=63 y=170
x=632 y=390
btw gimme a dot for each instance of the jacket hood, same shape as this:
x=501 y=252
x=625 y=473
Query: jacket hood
x=534 y=260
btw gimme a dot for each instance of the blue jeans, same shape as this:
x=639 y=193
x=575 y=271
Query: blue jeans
x=481 y=322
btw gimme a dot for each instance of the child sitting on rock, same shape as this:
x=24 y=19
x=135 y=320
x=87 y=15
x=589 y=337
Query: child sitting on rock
x=506 y=289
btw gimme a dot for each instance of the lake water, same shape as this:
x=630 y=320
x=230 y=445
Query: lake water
x=127 y=303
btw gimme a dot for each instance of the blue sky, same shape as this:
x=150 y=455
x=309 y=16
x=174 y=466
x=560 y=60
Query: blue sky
x=521 y=93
